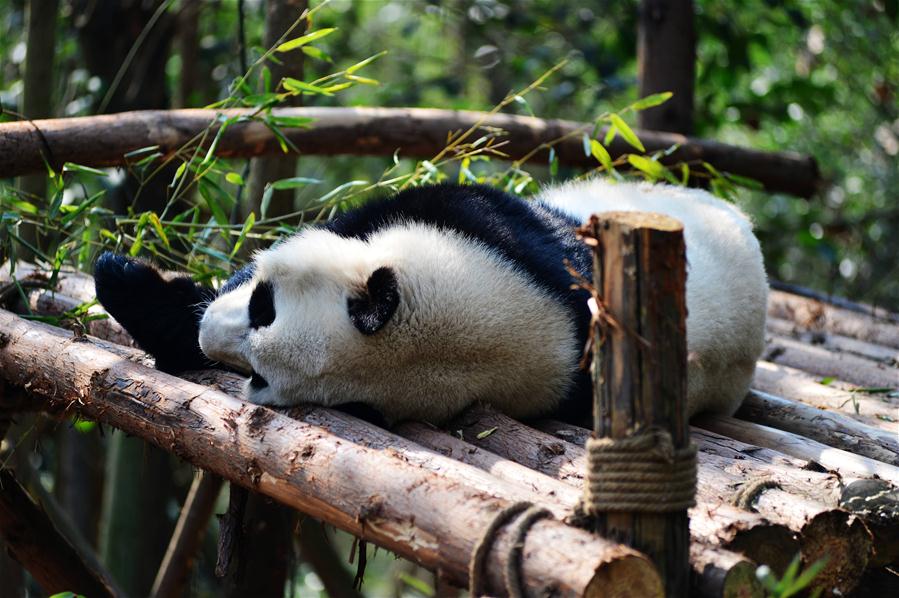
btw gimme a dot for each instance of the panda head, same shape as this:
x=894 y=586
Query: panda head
x=413 y=321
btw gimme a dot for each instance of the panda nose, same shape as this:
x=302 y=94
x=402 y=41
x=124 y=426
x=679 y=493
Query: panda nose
x=224 y=328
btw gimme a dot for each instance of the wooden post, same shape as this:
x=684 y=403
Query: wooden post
x=639 y=372
x=666 y=61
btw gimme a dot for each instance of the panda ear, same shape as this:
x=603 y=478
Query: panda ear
x=371 y=309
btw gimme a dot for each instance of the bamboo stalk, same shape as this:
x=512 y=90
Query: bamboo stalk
x=314 y=463
x=195 y=513
x=416 y=132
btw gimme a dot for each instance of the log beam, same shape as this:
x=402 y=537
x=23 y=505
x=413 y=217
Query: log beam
x=366 y=481
x=104 y=140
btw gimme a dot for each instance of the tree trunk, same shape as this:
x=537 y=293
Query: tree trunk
x=279 y=16
x=187 y=42
x=37 y=96
x=136 y=527
x=401 y=502
x=416 y=132
x=666 y=61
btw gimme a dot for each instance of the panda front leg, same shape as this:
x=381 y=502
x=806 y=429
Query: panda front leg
x=162 y=313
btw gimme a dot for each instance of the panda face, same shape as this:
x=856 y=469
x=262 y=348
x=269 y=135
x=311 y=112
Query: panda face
x=414 y=321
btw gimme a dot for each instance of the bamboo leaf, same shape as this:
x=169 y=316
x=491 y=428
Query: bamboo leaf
x=71 y=167
x=294 y=182
x=601 y=154
x=160 y=232
x=305 y=39
x=234 y=178
x=650 y=101
x=251 y=220
x=297 y=86
x=626 y=132
x=363 y=80
x=650 y=167
x=363 y=63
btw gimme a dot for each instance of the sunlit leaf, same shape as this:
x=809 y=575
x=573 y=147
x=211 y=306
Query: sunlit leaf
x=626 y=133
x=294 y=182
x=234 y=178
x=71 y=167
x=363 y=63
x=651 y=101
x=601 y=154
x=305 y=39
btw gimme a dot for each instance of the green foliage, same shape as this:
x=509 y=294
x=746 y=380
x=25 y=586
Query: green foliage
x=793 y=581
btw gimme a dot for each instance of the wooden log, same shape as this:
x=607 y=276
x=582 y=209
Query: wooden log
x=875 y=410
x=782 y=489
x=845 y=463
x=722 y=573
x=35 y=543
x=195 y=513
x=371 y=483
x=880 y=327
x=865 y=309
x=639 y=375
x=827 y=364
x=416 y=132
x=832 y=429
x=836 y=343
x=714 y=570
x=719 y=524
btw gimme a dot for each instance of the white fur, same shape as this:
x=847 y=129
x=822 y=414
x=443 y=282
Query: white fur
x=469 y=327
x=726 y=284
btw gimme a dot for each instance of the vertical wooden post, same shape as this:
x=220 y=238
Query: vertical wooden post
x=666 y=61
x=639 y=373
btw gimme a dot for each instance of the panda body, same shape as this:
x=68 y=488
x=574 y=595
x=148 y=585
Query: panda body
x=421 y=304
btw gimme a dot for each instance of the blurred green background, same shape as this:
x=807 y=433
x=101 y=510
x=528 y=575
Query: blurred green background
x=813 y=77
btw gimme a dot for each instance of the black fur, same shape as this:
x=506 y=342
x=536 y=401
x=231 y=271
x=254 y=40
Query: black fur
x=163 y=316
x=372 y=309
x=262 y=305
x=164 y=319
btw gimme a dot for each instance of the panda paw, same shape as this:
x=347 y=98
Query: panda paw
x=161 y=314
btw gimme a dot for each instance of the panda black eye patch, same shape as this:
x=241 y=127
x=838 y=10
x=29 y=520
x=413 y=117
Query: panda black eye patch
x=262 y=305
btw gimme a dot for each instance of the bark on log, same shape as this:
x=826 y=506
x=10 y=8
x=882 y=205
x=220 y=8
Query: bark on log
x=417 y=132
x=720 y=524
x=836 y=343
x=355 y=476
x=845 y=463
x=870 y=409
x=639 y=374
x=714 y=571
x=828 y=364
x=827 y=428
x=195 y=514
x=865 y=309
x=33 y=541
x=783 y=491
x=879 y=328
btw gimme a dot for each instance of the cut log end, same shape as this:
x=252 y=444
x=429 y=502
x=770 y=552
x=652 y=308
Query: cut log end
x=845 y=542
x=634 y=220
x=625 y=577
x=773 y=545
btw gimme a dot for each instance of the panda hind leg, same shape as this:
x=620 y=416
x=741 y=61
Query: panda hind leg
x=161 y=313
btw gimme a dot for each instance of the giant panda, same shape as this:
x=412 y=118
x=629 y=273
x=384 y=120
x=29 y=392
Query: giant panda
x=420 y=304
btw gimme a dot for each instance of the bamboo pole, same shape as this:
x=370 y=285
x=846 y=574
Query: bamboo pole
x=336 y=468
x=415 y=132
x=195 y=513
x=639 y=371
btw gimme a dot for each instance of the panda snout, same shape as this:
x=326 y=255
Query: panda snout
x=223 y=332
